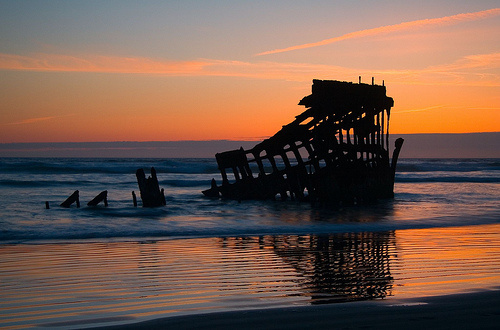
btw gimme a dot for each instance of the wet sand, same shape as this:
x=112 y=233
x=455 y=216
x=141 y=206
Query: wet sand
x=463 y=311
x=274 y=281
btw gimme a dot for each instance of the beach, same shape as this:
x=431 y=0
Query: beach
x=464 y=311
x=276 y=281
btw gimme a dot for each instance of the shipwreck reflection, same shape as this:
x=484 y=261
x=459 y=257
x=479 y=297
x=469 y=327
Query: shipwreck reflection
x=335 y=267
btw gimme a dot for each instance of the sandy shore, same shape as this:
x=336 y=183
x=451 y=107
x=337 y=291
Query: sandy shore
x=462 y=311
x=273 y=281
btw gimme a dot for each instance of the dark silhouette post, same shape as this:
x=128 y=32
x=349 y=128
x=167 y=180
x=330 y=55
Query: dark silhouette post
x=75 y=197
x=134 y=198
x=395 y=155
x=102 y=197
x=151 y=194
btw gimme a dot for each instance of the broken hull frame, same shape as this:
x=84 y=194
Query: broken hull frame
x=335 y=152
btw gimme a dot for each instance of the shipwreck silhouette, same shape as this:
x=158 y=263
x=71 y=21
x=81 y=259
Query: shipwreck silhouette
x=335 y=152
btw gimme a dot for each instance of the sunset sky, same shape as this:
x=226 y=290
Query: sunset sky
x=74 y=71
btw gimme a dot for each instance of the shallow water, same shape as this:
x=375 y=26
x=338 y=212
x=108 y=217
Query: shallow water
x=429 y=193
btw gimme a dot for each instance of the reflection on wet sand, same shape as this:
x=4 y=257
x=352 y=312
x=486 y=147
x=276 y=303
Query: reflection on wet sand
x=335 y=267
x=102 y=283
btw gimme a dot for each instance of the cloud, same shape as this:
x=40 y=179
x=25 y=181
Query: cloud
x=447 y=20
x=473 y=70
x=474 y=62
x=141 y=65
x=422 y=109
x=35 y=120
x=95 y=63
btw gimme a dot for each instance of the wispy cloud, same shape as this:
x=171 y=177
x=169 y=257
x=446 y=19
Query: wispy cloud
x=141 y=65
x=36 y=120
x=447 y=20
x=474 y=70
x=473 y=62
x=95 y=63
x=422 y=109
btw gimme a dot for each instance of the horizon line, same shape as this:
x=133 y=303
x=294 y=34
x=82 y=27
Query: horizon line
x=225 y=140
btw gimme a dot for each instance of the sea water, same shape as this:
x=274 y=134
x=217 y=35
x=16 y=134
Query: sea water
x=428 y=193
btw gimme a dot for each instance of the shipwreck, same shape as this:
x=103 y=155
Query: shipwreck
x=335 y=152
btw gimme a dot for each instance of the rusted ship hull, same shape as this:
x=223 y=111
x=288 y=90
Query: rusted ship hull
x=334 y=152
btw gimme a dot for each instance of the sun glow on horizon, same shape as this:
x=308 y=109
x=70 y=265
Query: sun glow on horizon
x=76 y=83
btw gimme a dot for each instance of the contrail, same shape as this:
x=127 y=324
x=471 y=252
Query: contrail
x=447 y=20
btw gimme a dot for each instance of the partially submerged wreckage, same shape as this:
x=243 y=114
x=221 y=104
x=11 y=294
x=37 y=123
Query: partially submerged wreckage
x=151 y=194
x=335 y=152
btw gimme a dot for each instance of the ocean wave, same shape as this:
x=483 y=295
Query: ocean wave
x=188 y=213
x=41 y=183
x=453 y=179
x=448 y=165
x=107 y=166
x=140 y=230
x=205 y=165
x=186 y=183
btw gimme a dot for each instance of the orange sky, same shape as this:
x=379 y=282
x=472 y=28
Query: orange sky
x=185 y=72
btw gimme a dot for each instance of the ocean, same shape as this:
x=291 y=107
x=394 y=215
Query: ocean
x=428 y=193
x=78 y=267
